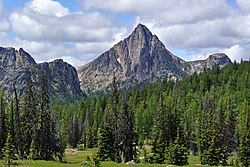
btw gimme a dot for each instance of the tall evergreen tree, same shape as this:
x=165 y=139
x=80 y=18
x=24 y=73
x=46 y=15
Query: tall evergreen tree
x=18 y=140
x=160 y=133
x=50 y=143
x=127 y=136
x=177 y=152
x=244 y=148
x=12 y=122
x=106 y=148
x=3 y=122
x=115 y=118
x=34 y=152
x=213 y=152
x=230 y=140
x=45 y=139
x=9 y=150
x=28 y=118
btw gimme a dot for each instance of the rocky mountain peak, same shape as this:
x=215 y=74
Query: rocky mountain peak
x=139 y=59
x=198 y=66
x=23 y=59
x=141 y=35
x=16 y=66
x=219 y=59
x=11 y=59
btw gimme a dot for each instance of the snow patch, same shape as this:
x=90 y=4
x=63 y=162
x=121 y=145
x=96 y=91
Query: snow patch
x=119 y=60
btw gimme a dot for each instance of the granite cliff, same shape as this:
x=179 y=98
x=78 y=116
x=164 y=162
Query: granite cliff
x=17 y=66
x=139 y=59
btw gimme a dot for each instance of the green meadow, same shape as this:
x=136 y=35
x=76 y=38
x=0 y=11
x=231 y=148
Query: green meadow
x=77 y=159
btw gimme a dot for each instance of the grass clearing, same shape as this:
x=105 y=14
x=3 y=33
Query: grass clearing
x=75 y=158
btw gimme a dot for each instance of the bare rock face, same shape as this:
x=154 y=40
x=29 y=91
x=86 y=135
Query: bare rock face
x=139 y=59
x=198 y=66
x=17 y=67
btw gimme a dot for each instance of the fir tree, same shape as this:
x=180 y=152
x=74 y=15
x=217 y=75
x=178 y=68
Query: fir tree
x=28 y=118
x=9 y=150
x=127 y=136
x=18 y=138
x=115 y=118
x=45 y=139
x=106 y=149
x=3 y=128
x=50 y=143
x=244 y=148
x=34 y=152
x=213 y=152
x=12 y=123
x=177 y=152
x=161 y=139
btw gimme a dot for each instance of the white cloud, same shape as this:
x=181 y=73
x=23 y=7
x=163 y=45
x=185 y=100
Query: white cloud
x=237 y=52
x=198 y=26
x=244 y=5
x=4 y=23
x=162 y=11
x=48 y=7
x=47 y=20
x=48 y=30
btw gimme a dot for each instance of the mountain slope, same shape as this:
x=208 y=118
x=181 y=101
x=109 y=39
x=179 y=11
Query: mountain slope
x=139 y=59
x=16 y=66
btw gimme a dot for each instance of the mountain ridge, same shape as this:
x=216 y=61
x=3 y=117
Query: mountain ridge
x=139 y=59
x=16 y=66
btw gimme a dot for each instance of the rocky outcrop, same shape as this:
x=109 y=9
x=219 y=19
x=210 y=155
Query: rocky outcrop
x=139 y=59
x=198 y=66
x=17 y=67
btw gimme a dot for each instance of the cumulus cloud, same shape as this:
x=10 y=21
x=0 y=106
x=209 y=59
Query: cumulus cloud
x=47 y=20
x=199 y=27
x=244 y=5
x=48 y=30
x=162 y=11
x=238 y=52
x=49 y=8
x=4 y=23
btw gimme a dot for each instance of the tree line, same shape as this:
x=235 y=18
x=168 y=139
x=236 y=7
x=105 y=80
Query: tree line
x=28 y=130
x=205 y=115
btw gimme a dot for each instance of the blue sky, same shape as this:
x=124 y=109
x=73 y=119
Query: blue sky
x=80 y=30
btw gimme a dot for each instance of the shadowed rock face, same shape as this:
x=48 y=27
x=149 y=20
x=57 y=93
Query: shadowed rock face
x=139 y=59
x=17 y=67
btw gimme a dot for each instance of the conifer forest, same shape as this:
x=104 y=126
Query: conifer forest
x=205 y=115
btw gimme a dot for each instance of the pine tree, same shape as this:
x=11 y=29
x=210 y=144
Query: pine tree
x=3 y=128
x=28 y=117
x=244 y=148
x=34 y=152
x=50 y=143
x=106 y=148
x=177 y=152
x=12 y=122
x=57 y=144
x=9 y=150
x=213 y=152
x=230 y=127
x=115 y=118
x=161 y=139
x=127 y=136
x=18 y=140
x=45 y=139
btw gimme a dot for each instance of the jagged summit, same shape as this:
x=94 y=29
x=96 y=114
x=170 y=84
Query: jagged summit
x=17 y=65
x=139 y=59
